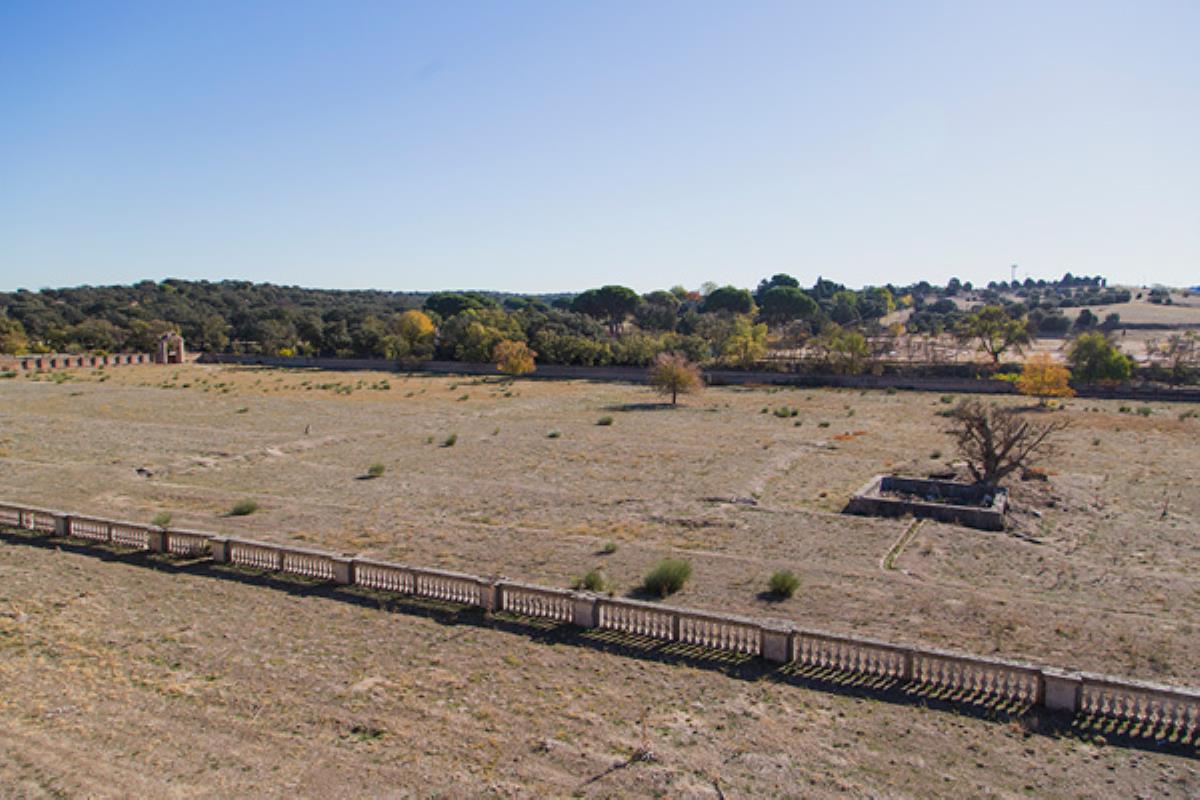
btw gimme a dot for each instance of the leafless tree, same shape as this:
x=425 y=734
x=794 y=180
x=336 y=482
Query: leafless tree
x=996 y=441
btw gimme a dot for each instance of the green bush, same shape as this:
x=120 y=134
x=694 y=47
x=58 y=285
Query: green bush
x=604 y=421
x=784 y=583
x=609 y=548
x=668 y=577
x=162 y=519
x=243 y=508
x=375 y=470
x=593 y=581
x=450 y=440
x=1145 y=411
x=553 y=434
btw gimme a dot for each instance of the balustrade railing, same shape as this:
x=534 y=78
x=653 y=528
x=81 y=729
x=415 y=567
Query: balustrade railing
x=640 y=619
x=535 y=601
x=958 y=677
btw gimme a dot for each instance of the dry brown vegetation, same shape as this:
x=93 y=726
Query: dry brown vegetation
x=1099 y=573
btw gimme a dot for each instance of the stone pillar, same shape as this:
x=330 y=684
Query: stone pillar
x=489 y=596
x=220 y=549
x=776 y=643
x=62 y=524
x=343 y=570
x=1061 y=689
x=906 y=663
x=156 y=540
x=585 y=610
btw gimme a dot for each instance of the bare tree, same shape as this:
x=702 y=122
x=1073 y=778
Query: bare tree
x=996 y=441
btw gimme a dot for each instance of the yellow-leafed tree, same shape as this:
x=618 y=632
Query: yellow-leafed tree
x=514 y=358
x=1042 y=377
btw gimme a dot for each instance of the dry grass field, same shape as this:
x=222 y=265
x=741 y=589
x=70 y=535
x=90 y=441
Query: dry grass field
x=234 y=688
x=131 y=677
x=1094 y=575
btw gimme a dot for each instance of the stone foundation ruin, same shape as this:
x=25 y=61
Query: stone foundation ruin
x=969 y=504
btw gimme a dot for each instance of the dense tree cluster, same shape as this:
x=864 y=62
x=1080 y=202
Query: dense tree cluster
x=842 y=329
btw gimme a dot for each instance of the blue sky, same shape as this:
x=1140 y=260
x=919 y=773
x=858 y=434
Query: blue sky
x=534 y=146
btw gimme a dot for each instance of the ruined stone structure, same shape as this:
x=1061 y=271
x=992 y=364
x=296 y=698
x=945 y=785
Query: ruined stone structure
x=946 y=501
x=170 y=349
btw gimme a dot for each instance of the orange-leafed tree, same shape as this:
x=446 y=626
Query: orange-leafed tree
x=1042 y=377
x=514 y=358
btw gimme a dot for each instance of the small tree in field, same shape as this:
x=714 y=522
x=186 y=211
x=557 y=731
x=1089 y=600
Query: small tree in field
x=673 y=374
x=1042 y=377
x=994 y=332
x=514 y=358
x=996 y=441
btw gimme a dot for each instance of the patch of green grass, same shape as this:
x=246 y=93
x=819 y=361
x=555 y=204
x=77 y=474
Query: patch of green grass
x=162 y=519
x=376 y=470
x=668 y=577
x=604 y=421
x=609 y=548
x=243 y=508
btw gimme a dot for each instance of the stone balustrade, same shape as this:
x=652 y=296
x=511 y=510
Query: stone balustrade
x=719 y=632
x=537 y=601
x=637 y=618
x=384 y=577
x=184 y=543
x=97 y=530
x=257 y=555
x=852 y=655
x=1148 y=707
x=307 y=563
x=450 y=587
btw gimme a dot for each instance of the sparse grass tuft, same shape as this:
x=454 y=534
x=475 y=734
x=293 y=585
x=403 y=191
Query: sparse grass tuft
x=162 y=519
x=376 y=470
x=592 y=581
x=450 y=440
x=604 y=421
x=609 y=548
x=668 y=577
x=783 y=583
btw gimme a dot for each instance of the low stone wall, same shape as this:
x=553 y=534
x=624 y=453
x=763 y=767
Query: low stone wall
x=872 y=501
x=715 y=377
x=56 y=361
x=956 y=677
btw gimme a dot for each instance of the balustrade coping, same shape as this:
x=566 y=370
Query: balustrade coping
x=533 y=588
x=1086 y=679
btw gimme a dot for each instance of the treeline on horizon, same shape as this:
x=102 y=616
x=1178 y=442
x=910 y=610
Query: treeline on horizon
x=606 y=325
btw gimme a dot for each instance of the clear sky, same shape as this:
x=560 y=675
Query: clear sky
x=554 y=146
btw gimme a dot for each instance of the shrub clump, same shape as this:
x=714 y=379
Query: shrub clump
x=162 y=519
x=668 y=577
x=604 y=421
x=784 y=583
x=375 y=470
x=243 y=508
x=450 y=440
x=592 y=581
